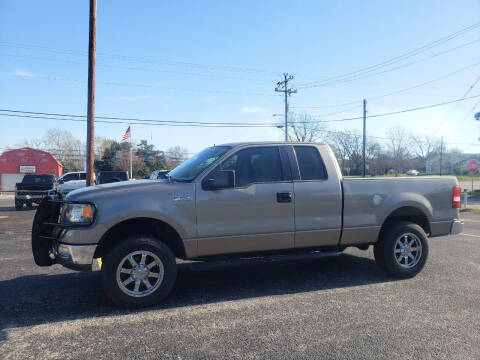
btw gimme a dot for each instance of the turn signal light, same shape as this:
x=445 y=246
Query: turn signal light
x=456 y=197
x=87 y=212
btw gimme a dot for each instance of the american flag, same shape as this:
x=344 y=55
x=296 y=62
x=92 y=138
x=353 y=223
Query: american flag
x=127 y=134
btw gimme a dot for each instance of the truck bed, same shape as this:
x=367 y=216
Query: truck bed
x=369 y=201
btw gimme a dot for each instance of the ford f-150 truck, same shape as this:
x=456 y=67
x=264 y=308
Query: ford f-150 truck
x=242 y=200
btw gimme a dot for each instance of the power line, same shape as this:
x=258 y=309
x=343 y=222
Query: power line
x=131 y=119
x=334 y=113
x=403 y=111
x=136 y=68
x=167 y=62
x=139 y=59
x=173 y=88
x=425 y=83
x=390 y=69
x=400 y=57
x=249 y=79
x=467 y=115
x=456 y=105
x=408 y=88
x=328 y=106
x=139 y=121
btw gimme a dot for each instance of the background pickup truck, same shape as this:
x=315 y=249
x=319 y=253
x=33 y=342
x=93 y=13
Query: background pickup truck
x=32 y=189
x=71 y=181
x=245 y=199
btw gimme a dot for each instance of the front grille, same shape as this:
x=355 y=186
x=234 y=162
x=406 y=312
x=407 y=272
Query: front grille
x=32 y=193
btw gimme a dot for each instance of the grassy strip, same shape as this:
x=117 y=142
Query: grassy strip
x=470 y=210
x=467 y=178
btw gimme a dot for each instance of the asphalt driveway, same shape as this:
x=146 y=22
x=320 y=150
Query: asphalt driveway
x=302 y=307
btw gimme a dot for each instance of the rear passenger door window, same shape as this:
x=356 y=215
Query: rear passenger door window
x=310 y=163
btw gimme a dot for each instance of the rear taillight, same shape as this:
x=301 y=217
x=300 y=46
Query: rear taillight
x=456 y=197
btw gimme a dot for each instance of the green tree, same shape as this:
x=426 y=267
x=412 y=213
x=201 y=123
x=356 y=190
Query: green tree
x=152 y=159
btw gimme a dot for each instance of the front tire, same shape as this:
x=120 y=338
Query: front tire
x=138 y=272
x=18 y=204
x=402 y=249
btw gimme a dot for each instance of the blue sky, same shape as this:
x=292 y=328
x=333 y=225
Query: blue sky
x=219 y=60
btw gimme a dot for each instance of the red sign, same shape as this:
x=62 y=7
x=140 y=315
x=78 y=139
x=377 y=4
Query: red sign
x=473 y=166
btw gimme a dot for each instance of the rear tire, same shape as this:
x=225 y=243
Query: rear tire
x=402 y=249
x=18 y=204
x=138 y=272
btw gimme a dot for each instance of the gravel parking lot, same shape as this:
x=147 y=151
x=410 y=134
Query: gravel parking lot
x=303 y=307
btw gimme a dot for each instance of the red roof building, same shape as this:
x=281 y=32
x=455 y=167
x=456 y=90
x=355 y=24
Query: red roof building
x=14 y=164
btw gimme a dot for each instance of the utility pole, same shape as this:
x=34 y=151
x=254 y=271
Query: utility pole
x=282 y=86
x=441 y=155
x=364 y=134
x=92 y=44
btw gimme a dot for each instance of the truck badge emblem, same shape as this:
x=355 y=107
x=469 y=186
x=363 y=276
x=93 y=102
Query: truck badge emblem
x=179 y=197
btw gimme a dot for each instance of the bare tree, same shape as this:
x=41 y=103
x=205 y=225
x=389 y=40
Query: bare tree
x=398 y=145
x=348 y=147
x=377 y=158
x=176 y=155
x=304 y=128
x=62 y=144
x=61 y=139
x=424 y=147
x=32 y=143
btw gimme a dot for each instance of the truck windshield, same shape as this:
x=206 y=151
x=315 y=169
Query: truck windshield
x=37 y=179
x=194 y=166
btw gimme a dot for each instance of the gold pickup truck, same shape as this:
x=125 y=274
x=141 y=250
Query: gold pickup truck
x=241 y=200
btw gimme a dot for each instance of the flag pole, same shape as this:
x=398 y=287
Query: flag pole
x=131 y=156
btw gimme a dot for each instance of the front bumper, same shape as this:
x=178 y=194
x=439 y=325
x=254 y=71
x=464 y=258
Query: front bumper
x=75 y=257
x=50 y=239
x=35 y=197
x=456 y=227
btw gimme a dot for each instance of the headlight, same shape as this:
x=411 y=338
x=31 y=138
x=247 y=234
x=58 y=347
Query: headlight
x=77 y=213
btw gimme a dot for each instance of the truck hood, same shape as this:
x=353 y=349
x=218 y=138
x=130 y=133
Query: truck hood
x=72 y=184
x=131 y=187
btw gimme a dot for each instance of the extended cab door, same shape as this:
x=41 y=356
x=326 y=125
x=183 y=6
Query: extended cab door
x=318 y=196
x=257 y=214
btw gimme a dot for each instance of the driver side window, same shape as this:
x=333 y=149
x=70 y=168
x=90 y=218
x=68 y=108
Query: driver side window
x=255 y=165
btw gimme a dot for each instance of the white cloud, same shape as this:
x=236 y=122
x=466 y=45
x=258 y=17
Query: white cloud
x=253 y=110
x=22 y=73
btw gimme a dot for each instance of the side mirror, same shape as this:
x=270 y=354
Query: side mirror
x=61 y=181
x=217 y=180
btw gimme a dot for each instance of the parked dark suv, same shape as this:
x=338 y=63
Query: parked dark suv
x=105 y=177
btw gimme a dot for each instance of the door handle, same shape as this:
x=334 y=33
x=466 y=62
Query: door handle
x=284 y=197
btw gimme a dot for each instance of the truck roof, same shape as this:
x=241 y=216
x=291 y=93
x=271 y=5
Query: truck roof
x=235 y=144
